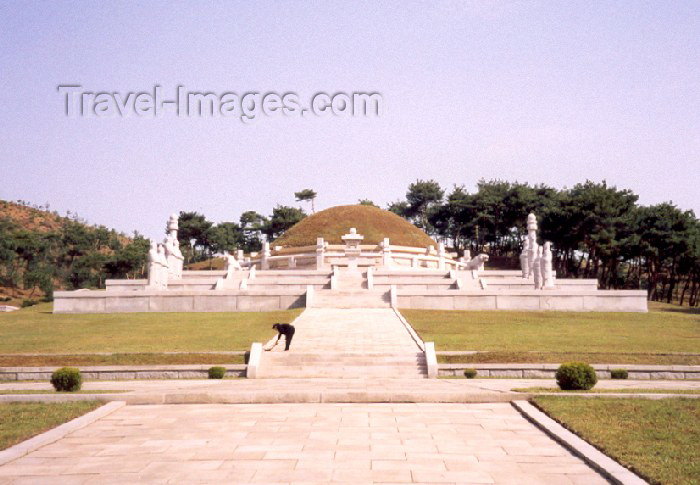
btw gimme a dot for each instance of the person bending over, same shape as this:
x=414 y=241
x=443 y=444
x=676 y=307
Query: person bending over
x=287 y=330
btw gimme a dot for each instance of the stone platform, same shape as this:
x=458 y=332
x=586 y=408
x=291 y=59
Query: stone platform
x=280 y=290
x=311 y=443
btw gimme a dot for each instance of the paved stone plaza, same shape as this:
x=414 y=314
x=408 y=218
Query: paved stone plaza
x=305 y=443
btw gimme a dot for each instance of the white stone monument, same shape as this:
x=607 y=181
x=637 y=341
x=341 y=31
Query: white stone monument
x=162 y=267
x=231 y=265
x=174 y=258
x=537 y=268
x=524 y=259
x=153 y=267
x=352 y=248
x=531 y=243
x=547 y=272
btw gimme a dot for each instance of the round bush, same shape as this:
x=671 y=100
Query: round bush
x=217 y=372
x=574 y=376
x=67 y=379
x=618 y=374
x=470 y=373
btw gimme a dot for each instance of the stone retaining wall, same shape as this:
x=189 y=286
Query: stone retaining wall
x=101 y=301
x=121 y=372
x=547 y=371
x=535 y=300
x=523 y=371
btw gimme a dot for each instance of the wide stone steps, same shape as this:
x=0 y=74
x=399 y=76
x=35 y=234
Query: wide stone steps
x=351 y=299
x=357 y=343
x=342 y=366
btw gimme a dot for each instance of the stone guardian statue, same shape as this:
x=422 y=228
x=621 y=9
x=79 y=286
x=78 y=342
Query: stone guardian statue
x=547 y=272
x=537 y=268
x=523 y=259
x=532 y=243
x=153 y=266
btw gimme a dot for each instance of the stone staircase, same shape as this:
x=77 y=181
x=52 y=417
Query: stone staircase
x=347 y=343
x=351 y=299
x=342 y=365
x=351 y=292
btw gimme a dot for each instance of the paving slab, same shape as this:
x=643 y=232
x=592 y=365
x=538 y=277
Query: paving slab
x=305 y=443
x=241 y=391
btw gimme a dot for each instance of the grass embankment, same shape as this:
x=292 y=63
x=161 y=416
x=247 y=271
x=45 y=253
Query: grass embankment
x=37 y=330
x=657 y=337
x=9 y=360
x=22 y=420
x=658 y=439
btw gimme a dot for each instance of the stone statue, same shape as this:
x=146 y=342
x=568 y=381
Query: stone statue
x=477 y=263
x=524 y=259
x=173 y=224
x=162 y=267
x=174 y=256
x=179 y=259
x=537 y=268
x=532 y=243
x=153 y=266
x=231 y=265
x=547 y=273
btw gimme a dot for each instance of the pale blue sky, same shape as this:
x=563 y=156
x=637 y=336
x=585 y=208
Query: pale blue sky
x=552 y=92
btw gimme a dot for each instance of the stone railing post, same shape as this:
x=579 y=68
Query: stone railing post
x=334 y=278
x=387 y=259
x=441 y=255
x=309 y=296
x=254 y=361
x=264 y=263
x=320 y=248
x=431 y=360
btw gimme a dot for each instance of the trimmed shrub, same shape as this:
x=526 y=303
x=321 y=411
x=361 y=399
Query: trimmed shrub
x=67 y=379
x=618 y=374
x=28 y=303
x=217 y=372
x=470 y=373
x=574 y=376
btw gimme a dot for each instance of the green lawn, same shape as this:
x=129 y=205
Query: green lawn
x=658 y=439
x=616 y=338
x=10 y=360
x=607 y=391
x=22 y=420
x=37 y=330
x=524 y=357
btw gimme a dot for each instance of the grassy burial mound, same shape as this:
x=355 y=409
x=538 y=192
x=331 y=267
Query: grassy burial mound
x=372 y=222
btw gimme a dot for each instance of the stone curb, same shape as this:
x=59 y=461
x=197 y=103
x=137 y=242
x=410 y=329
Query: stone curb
x=121 y=372
x=55 y=434
x=272 y=397
x=547 y=371
x=515 y=371
x=597 y=460
x=625 y=395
